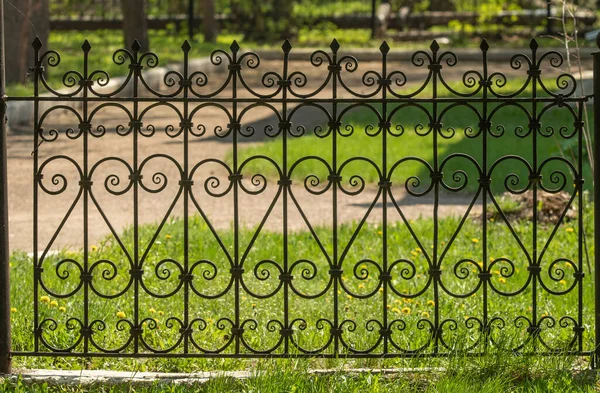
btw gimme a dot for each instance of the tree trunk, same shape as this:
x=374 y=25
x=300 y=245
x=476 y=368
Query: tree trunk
x=135 y=23
x=21 y=27
x=209 y=23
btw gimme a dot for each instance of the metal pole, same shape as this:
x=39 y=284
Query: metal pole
x=191 y=19
x=549 y=16
x=373 y=27
x=596 y=56
x=4 y=254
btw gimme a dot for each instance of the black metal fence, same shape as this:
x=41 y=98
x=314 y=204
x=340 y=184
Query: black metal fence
x=243 y=304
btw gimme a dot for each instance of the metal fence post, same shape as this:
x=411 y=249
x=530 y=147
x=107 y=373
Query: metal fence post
x=4 y=254
x=596 y=56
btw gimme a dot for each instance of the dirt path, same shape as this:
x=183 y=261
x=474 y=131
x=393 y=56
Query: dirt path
x=113 y=175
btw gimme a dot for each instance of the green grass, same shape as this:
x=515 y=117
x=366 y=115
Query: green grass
x=359 y=137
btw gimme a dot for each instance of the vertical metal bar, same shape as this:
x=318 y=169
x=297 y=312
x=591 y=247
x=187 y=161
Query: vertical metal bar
x=5 y=344
x=435 y=178
x=533 y=177
x=580 y=229
x=37 y=44
x=236 y=219
x=596 y=56
x=186 y=196
x=136 y=191
x=86 y=195
x=549 y=17
x=485 y=184
x=284 y=115
x=384 y=48
x=336 y=343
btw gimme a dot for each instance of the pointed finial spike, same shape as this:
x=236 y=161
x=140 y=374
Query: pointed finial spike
x=234 y=46
x=136 y=46
x=533 y=45
x=384 y=48
x=335 y=46
x=484 y=46
x=186 y=47
x=86 y=46
x=37 y=43
x=287 y=46
x=434 y=46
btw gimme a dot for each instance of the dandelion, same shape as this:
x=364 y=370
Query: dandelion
x=492 y=219
x=467 y=317
x=396 y=310
x=492 y=259
x=62 y=309
x=161 y=313
x=13 y=310
x=381 y=289
x=53 y=303
x=349 y=297
x=425 y=314
x=418 y=249
x=168 y=237
x=152 y=311
x=397 y=301
x=379 y=233
x=563 y=282
x=496 y=271
x=430 y=303
x=121 y=315
x=405 y=310
x=253 y=305
x=94 y=248
x=502 y=280
x=475 y=240
x=414 y=253
x=361 y=286
x=45 y=299
x=529 y=308
x=569 y=229
x=544 y=315
x=388 y=306
x=480 y=263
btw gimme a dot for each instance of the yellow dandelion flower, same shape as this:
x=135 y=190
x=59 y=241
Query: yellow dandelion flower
x=425 y=314
x=161 y=313
x=379 y=233
x=121 y=315
x=529 y=308
x=569 y=229
x=544 y=315
x=363 y=266
x=414 y=253
x=496 y=271
x=563 y=282
x=168 y=237
x=396 y=310
x=45 y=299
x=361 y=286
x=152 y=311
x=475 y=240
x=53 y=303
x=62 y=309
x=430 y=303
x=397 y=301
x=467 y=317
x=491 y=259
x=502 y=280
x=408 y=300
x=13 y=310
x=480 y=263
x=349 y=297
x=388 y=306
x=94 y=248
x=418 y=249
x=381 y=289
x=405 y=310
x=492 y=219
x=253 y=305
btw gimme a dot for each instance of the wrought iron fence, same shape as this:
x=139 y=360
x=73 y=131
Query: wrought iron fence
x=241 y=303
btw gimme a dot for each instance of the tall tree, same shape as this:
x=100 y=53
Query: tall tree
x=209 y=23
x=135 y=23
x=23 y=20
